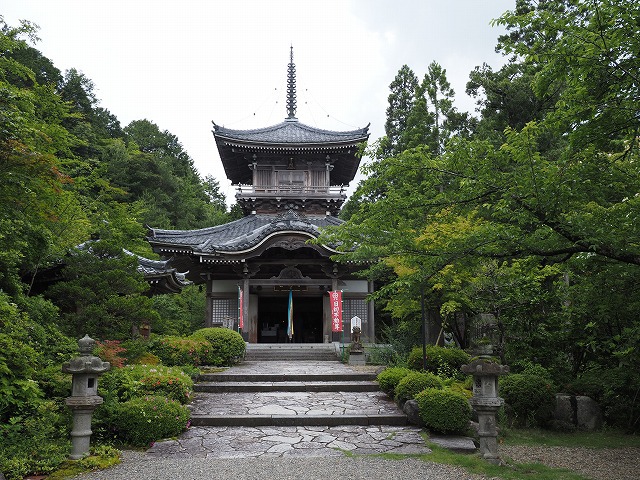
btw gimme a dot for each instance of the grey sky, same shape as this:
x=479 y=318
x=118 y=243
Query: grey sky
x=184 y=63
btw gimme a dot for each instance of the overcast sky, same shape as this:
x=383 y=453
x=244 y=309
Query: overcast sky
x=182 y=64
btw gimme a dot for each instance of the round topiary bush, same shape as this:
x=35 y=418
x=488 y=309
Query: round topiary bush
x=531 y=398
x=389 y=378
x=138 y=380
x=226 y=346
x=442 y=361
x=174 y=350
x=143 y=420
x=410 y=385
x=444 y=411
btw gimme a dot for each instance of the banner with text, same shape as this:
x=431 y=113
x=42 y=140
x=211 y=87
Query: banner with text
x=240 y=309
x=335 y=298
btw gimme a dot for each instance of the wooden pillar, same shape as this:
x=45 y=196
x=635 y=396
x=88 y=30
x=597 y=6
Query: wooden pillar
x=208 y=309
x=249 y=326
x=371 y=320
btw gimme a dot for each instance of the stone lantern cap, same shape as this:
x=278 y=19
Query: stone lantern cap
x=86 y=362
x=480 y=367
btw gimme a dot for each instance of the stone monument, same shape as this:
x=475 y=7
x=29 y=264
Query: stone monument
x=84 y=398
x=356 y=351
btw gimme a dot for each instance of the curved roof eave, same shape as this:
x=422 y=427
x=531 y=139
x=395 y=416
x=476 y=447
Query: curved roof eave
x=262 y=242
x=291 y=133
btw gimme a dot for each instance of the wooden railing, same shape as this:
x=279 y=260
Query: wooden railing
x=290 y=190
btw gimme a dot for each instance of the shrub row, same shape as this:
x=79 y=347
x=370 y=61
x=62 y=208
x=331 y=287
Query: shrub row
x=139 y=380
x=207 y=346
x=443 y=408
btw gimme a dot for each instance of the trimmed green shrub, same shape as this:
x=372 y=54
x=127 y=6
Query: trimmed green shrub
x=389 y=378
x=180 y=350
x=444 y=411
x=530 y=398
x=464 y=388
x=227 y=346
x=442 y=361
x=143 y=420
x=138 y=380
x=412 y=384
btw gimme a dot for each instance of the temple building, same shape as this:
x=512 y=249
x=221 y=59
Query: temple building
x=290 y=181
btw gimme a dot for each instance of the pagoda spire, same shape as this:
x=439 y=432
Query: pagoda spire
x=291 y=88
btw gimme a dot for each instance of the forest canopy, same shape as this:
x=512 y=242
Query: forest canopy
x=527 y=213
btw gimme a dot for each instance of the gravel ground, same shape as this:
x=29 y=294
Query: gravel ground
x=136 y=466
x=598 y=464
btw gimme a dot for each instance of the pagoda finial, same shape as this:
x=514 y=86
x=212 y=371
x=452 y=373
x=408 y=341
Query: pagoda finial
x=291 y=88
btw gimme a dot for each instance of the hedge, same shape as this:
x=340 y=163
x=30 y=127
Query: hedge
x=444 y=411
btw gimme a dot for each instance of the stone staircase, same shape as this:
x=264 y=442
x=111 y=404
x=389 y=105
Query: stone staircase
x=259 y=352
x=277 y=385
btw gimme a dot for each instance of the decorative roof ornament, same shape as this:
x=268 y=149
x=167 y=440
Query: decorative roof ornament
x=291 y=89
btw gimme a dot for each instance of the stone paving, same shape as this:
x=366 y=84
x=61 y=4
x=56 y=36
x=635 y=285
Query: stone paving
x=246 y=442
x=295 y=368
x=293 y=403
x=292 y=441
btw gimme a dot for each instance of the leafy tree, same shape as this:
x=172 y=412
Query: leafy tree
x=102 y=294
x=401 y=100
x=519 y=224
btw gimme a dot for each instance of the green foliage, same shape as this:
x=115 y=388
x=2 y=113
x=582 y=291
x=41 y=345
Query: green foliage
x=103 y=293
x=174 y=350
x=415 y=382
x=617 y=390
x=53 y=382
x=389 y=378
x=138 y=380
x=141 y=421
x=18 y=361
x=444 y=411
x=100 y=457
x=35 y=441
x=135 y=349
x=180 y=314
x=227 y=346
x=442 y=361
x=530 y=398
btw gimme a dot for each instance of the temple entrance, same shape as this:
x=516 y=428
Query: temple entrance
x=272 y=319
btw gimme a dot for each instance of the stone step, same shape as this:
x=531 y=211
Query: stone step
x=286 y=377
x=296 y=420
x=286 y=386
x=291 y=352
x=291 y=358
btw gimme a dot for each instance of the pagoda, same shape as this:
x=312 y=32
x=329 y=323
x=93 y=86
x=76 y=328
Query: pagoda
x=291 y=180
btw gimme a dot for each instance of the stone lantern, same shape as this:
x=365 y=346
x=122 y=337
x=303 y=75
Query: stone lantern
x=486 y=403
x=84 y=397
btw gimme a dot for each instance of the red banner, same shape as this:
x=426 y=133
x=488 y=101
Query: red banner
x=240 y=310
x=335 y=299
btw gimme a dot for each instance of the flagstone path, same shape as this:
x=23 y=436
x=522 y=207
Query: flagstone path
x=306 y=422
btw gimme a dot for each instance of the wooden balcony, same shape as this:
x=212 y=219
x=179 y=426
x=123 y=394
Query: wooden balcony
x=290 y=191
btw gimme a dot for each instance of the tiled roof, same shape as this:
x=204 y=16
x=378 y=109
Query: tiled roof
x=290 y=133
x=150 y=268
x=241 y=234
